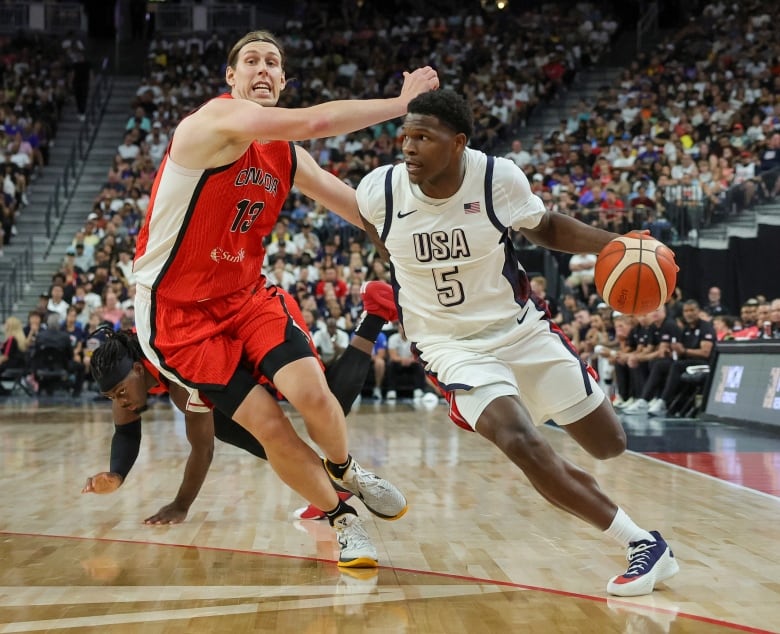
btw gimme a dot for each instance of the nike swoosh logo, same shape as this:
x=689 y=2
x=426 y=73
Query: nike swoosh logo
x=402 y=214
x=520 y=320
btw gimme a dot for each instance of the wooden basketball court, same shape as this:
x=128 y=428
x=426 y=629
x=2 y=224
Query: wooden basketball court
x=478 y=551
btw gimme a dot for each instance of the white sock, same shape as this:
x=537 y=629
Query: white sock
x=624 y=530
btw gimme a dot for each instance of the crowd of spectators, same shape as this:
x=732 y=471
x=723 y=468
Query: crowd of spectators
x=613 y=163
x=688 y=134
x=36 y=82
x=641 y=359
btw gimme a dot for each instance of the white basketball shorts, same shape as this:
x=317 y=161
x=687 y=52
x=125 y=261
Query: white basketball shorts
x=532 y=360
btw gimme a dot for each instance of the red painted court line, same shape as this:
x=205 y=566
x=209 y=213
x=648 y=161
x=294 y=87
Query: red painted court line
x=444 y=575
x=759 y=470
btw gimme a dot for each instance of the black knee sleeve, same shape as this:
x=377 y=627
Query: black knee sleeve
x=347 y=376
x=230 y=432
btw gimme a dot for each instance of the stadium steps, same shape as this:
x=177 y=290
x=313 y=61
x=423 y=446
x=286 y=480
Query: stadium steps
x=95 y=168
x=588 y=85
x=741 y=225
x=30 y=241
x=91 y=174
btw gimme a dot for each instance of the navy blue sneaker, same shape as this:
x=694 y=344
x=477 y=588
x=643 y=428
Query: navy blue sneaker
x=649 y=563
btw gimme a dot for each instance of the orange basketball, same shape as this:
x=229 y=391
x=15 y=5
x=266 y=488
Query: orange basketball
x=636 y=274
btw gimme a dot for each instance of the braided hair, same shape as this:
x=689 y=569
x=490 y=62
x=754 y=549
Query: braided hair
x=120 y=349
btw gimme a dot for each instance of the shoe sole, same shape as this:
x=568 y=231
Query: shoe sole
x=359 y=562
x=666 y=568
x=387 y=518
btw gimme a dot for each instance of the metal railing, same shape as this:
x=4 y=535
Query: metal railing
x=233 y=17
x=647 y=27
x=188 y=18
x=65 y=186
x=16 y=269
x=17 y=275
x=14 y=17
x=48 y=17
x=172 y=18
x=64 y=16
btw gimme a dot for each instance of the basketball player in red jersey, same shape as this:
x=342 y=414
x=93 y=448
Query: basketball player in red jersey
x=128 y=379
x=202 y=309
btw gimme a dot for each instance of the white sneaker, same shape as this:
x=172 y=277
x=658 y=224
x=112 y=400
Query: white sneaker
x=381 y=497
x=391 y=395
x=418 y=394
x=429 y=398
x=618 y=402
x=625 y=404
x=639 y=406
x=657 y=407
x=356 y=548
x=377 y=394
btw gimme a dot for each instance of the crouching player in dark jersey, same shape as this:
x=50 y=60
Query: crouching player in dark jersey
x=128 y=379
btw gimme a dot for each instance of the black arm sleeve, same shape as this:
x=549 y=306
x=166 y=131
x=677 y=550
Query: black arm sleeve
x=124 y=447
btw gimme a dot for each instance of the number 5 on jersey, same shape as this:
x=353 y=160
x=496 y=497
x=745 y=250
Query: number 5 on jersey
x=449 y=290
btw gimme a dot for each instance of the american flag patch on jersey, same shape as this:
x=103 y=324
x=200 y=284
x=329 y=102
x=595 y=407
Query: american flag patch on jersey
x=472 y=208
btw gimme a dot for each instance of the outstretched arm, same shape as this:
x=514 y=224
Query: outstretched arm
x=560 y=232
x=200 y=434
x=221 y=130
x=125 y=445
x=325 y=188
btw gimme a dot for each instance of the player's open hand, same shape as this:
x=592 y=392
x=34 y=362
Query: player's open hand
x=419 y=81
x=168 y=514
x=105 y=482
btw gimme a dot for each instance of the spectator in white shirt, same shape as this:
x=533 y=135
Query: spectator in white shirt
x=128 y=150
x=518 y=155
x=582 y=267
x=330 y=341
x=57 y=303
x=158 y=142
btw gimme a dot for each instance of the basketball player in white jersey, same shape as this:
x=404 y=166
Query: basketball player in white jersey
x=505 y=367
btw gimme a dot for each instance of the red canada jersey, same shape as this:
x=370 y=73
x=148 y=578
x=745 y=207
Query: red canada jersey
x=203 y=235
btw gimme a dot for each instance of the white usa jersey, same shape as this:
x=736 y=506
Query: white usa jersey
x=454 y=269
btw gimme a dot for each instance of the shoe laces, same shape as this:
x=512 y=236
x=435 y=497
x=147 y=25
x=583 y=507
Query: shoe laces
x=366 y=478
x=639 y=557
x=352 y=534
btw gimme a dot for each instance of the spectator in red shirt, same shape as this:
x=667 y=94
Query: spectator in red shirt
x=330 y=275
